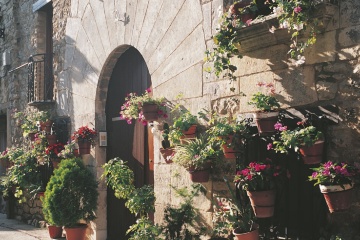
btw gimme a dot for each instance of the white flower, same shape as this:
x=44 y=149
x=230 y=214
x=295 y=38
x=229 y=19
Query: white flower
x=300 y=61
x=298 y=27
x=272 y=29
x=278 y=11
x=284 y=24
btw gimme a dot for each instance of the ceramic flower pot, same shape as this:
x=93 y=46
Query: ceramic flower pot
x=150 y=112
x=199 y=176
x=167 y=154
x=253 y=235
x=76 y=233
x=51 y=139
x=84 y=147
x=312 y=154
x=262 y=202
x=46 y=126
x=229 y=152
x=265 y=122
x=55 y=231
x=338 y=199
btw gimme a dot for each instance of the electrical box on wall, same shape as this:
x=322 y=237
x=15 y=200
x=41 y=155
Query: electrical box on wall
x=6 y=58
x=102 y=139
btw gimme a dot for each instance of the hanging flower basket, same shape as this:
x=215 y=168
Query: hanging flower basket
x=262 y=202
x=338 y=199
x=312 y=154
x=265 y=122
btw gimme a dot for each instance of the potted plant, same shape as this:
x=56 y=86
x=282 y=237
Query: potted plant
x=52 y=152
x=69 y=151
x=197 y=157
x=71 y=197
x=85 y=137
x=234 y=216
x=267 y=109
x=308 y=140
x=336 y=182
x=259 y=180
x=184 y=127
x=231 y=133
x=143 y=107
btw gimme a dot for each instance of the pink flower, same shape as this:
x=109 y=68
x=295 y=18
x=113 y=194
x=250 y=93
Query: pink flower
x=128 y=121
x=269 y=146
x=248 y=22
x=249 y=177
x=165 y=116
x=278 y=125
x=284 y=128
x=314 y=174
x=297 y=9
x=148 y=90
x=260 y=84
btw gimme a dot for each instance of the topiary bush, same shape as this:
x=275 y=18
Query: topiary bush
x=71 y=194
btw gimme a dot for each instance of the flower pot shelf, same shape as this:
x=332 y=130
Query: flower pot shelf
x=257 y=35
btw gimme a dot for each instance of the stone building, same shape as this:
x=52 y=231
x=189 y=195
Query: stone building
x=101 y=50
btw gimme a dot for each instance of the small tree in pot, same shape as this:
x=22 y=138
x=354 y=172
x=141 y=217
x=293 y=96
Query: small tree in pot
x=71 y=196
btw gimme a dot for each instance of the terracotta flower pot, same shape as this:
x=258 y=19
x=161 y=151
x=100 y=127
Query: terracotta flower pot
x=55 y=231
x=199 y=176
x=76 y=233
x=188 y=134
x=150 y=111
x=262 y=202
x=31 y=136
x=312 y=154
x=51 y=139
x=265 y=122
x=338 y=199
x=167 y=154
x=253 y=235
x=229 y=152
x=84 y=147
x=46 y=126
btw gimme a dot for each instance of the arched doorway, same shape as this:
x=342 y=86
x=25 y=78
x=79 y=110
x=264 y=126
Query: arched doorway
x=129 y=142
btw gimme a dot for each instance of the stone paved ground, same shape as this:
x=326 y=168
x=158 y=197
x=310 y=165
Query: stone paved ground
x=11 y=229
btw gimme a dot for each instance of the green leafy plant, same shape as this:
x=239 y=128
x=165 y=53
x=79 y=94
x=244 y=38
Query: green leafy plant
x=182 y=222
x=197 y=154
x=259 y=176
x=232 y=213
x=144 y=229
x=295 y=15
x=68 y=151
x=304 y=136
x=332 y=173
x=181 y=123
x=71 y=194
x=30 y=121
x=132 y=108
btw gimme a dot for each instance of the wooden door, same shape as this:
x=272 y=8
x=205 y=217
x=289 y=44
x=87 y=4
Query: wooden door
x=127 y=141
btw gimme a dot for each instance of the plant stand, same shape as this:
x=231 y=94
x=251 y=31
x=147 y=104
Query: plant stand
x=338 y=199
x=312 y=154
x=262 y=202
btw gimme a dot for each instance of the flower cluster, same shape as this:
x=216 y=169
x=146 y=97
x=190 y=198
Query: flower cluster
x=132 y=108
x=259 y=176
x=331 y=173
x=53 y=150
x=84 y=133
x=300 y=136
x=4 y=154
